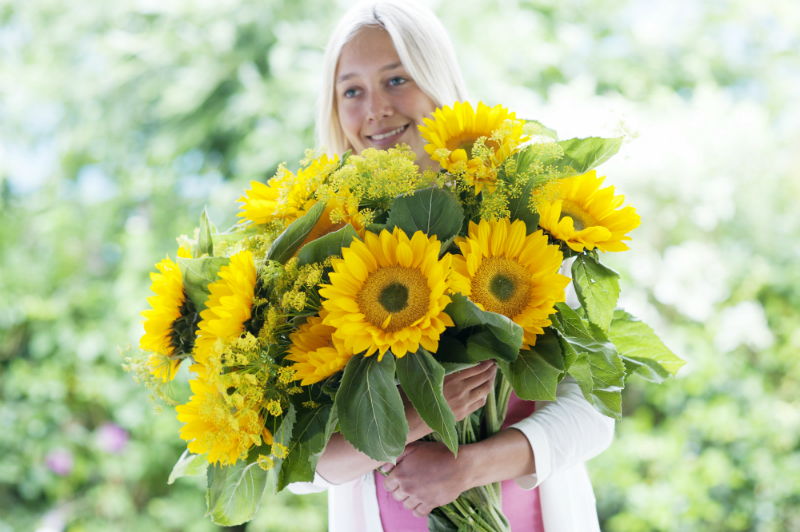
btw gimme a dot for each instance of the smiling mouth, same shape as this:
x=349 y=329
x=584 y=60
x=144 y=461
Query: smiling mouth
x=393 y=133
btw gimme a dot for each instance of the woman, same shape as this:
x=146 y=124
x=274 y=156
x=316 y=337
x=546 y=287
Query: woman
x=387 y=66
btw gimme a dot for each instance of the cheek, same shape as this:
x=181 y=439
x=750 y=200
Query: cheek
x=420 y=106
x=350 y=118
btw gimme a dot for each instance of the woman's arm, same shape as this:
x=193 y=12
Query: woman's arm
x=428 y=474
x=465 y=391
x=554 y=438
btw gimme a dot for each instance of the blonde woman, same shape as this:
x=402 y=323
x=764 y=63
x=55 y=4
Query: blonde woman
x=387 y=66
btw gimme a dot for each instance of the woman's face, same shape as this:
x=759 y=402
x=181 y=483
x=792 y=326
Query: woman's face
x=379 y=105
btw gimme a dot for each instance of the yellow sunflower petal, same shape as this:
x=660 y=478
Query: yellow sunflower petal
x=457 y=129
x=394 y=306
x=517 y=279
x=585 y=216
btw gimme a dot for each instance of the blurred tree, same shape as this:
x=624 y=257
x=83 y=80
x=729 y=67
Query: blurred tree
x=119 y=121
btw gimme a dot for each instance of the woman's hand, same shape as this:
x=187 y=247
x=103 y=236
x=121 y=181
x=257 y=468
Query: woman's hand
x=427 y=475
x=466 y=390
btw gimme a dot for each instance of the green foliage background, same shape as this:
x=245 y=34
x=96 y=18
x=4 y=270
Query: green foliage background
x=120 y=120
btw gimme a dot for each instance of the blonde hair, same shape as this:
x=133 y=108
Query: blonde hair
x=421 y=43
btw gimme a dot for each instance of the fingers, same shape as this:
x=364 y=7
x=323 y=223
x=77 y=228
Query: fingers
x=410 y=503
x=390 y=483
x=470 y=372
x=422 y=510
x=476 y=405
x=482 y=390
x=487 y=375
x=401 y=496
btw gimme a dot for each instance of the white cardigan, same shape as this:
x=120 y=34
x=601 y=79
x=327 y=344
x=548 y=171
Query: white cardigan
x=563 y=435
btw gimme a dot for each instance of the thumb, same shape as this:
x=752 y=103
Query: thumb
x=387 y=467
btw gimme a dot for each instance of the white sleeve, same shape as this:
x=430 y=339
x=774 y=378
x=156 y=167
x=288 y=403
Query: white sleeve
x=317 y=485
x=563 y=433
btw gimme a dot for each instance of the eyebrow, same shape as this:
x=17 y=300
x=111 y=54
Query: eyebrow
x=392 y=66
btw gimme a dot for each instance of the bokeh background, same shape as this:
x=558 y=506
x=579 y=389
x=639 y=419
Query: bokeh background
x=120 y=120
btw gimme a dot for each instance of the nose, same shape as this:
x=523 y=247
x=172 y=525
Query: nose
x=380 y=106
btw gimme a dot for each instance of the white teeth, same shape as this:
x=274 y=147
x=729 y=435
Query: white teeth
x=389 y=134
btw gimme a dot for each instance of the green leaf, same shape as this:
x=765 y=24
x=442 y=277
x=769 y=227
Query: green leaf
x=197 y=275
x=466 y=314
x=544 y=131
x=434 y=211
x=326 y=246
x=438 y=522
x=371 y=412
x=234 y=492
x=236 y=233
x=581 y=155
x=189 y=465
x=310 y=436
x=343 y=161
x=600 y=373
x=598 y=289
x=485 y=345
x=292 y=238
x=642 y=351
x=205 y=244
x=452 y=355
x=421 y=377
x=284 y=436
x=536 y=372
x=519 y=208
x=569 y=323
x=376 y=228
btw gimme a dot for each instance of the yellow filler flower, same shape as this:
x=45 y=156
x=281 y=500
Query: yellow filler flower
x=286 y=196
x=504 y=271
x=316 y=352
x=453 y=132
x=167 y=333
x=584 y=215
x=213 y=427
x=389 y=292
x=229 y=305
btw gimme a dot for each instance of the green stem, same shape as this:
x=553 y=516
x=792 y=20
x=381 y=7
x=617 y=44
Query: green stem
x=503 y=395
x=490 y=415
x=472 y=516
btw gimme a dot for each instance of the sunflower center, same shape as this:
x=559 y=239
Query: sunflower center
x=394 y=297
x=184 y=330
x=399 y=294
x=580 y=218
x=502 y=285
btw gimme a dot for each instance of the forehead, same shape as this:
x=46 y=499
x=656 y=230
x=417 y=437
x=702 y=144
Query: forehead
x=366 y=53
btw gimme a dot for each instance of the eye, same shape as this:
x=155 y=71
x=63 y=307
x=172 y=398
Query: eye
x=350 y=93
x=397 y=80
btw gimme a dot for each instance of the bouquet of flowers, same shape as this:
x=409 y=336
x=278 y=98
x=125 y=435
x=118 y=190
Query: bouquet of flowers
x=358 y=273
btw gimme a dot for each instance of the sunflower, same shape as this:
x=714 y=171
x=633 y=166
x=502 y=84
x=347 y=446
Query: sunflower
x=584 y=215
x=169 y=324
x=229 y=305
x=504 y=271
x=456 y=130
x=286 y=196
x=389 y=292
x=316 y=352
x=212 y=427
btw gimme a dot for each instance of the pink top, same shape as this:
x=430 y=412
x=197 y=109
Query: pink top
x=521 y=507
